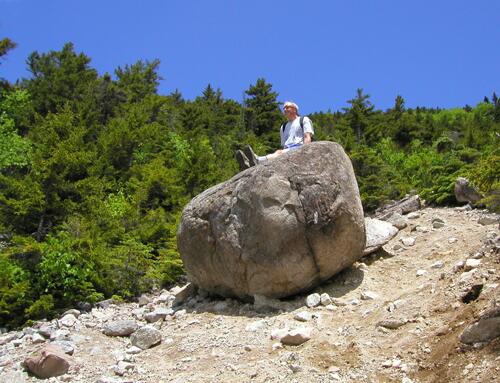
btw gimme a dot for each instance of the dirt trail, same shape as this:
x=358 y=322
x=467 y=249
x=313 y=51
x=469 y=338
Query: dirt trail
x=417 y=290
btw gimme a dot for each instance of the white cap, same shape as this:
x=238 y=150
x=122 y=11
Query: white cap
x=292 y=104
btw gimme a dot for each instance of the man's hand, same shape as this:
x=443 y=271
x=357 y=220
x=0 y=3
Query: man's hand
x=307 y=138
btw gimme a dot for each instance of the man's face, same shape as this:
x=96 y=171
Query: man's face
x=289 y=112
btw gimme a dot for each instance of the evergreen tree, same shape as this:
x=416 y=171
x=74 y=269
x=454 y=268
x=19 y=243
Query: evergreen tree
x=262 y=108
x=138 y=80
x=58 y=77
x=359 y=112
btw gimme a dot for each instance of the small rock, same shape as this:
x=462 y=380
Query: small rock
x=46 y=330
x=158 y=314
x=313 y=300
x=397 y=247
x=325 y=299
x=68 y=320
x=143 y=300
x=443 y=330
x=452 y=240
x=255 y=326
x=488 y=219
x=354 y=302
x=368 y=295
x=51 y=361
x=471 y=264
x=146 y=337
x=182 y=294
x=485 y=329
x=105 y=303
x=66 y=346
x=438 y=225
x=297 y=336
x=458 y=266
x=74 y=312
x=133 y=350
x=339 y=302
x=398 y=221
x=37 y=338
x=391 y=324
x=277 y=346
x=437 y=265
x=120 y=328
x=408 y=241
x=421 y=273
x=303 y=316
x=413 y=215
x=122 y=367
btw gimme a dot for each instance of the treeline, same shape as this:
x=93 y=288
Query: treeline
x=95 y=170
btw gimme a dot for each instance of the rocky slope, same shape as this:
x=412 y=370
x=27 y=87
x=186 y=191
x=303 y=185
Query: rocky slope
x=397 y=316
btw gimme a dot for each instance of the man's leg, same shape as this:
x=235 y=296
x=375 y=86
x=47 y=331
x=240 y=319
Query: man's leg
x=243 y=160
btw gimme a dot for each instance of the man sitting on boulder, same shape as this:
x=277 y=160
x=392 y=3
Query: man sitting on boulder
x=294 y=133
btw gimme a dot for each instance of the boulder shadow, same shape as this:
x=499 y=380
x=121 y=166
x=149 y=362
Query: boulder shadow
x=336 y=287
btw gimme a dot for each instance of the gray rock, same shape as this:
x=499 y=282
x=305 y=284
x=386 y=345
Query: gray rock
x=398 y=220
x=368 y=295
x=465 y=192
x=143 y=300
x=408 y=241
x=159 y=314
x=471 y=263
x=105 y=303
x=37 y=338
x=66 y=346
x=485 y=329
x=120 y=328
x=133 y=350
x=123 y=367
x=255 y=326
x=325 y=299
x=146 y=337
x=406 y=205
x=391 y=324
x=488 y=219
x=378 y=233
x=68 y=320
x=438 y=224
x=313 y=300
x=76 y=313
x=7 y=338
x=276 y=229
x=303 y=316
x=414 y=215
x=182 y=294
x=51 y=361
x=437 y=265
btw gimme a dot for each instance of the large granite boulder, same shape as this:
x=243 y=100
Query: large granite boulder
x=276 y=229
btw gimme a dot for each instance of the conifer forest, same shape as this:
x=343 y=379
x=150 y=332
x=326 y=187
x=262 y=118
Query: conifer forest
x=96 y=169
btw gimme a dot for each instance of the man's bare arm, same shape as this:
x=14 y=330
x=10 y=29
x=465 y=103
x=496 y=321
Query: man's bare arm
x=307 y=138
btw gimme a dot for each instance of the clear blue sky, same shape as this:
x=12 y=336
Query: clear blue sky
x=435 y=53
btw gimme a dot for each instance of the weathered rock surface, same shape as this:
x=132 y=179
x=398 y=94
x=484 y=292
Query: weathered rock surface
x=52 y=361
x=120 y=328
x=378 y=233
x=406 y=205
x=485 y=329
x=275 y=229
x=146 y=337
x=464 y=192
